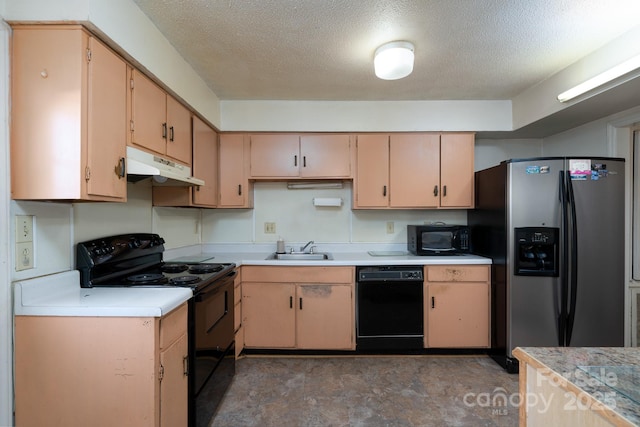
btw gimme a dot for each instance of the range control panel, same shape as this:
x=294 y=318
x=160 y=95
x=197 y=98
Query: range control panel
x=389 y=273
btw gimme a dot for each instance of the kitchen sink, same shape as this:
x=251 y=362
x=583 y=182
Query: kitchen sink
x=302 y=256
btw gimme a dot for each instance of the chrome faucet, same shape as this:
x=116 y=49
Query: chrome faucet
x=302 y=248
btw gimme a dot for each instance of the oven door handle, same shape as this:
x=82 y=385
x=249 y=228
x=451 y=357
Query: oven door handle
x=203 y=296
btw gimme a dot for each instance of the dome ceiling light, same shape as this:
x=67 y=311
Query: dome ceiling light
x=394 y=60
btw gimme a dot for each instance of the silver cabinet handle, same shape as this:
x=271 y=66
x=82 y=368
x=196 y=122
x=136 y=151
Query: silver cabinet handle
x=121 y=169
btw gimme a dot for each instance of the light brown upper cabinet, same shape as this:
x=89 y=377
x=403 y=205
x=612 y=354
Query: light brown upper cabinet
x=456 y=170
x=301 y=156
x=411 y=171
x=235 y=189
x=159 y=123
x=69 y=116
x=205 y=166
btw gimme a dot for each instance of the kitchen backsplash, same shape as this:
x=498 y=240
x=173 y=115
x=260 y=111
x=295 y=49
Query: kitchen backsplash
x=58 y=226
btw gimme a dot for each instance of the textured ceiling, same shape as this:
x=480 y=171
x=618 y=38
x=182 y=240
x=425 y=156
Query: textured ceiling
x=323 y=49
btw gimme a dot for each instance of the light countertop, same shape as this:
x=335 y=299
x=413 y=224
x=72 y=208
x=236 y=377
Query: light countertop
x=61 y=295
x=607 y=375
x=353 y=255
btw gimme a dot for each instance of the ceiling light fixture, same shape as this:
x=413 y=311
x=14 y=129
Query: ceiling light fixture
x=393 y=60
x=594 y=82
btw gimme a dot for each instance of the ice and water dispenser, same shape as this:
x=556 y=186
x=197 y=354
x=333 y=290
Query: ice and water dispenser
x=536 y=251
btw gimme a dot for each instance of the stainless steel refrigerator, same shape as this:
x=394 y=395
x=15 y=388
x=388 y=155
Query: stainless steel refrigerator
x=554 y=228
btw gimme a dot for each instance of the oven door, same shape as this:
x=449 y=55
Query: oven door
x=211 y=352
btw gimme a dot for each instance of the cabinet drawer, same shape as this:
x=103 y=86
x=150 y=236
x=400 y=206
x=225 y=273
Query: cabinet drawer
x=172 y=326
x=286 y=274
x=457 y=273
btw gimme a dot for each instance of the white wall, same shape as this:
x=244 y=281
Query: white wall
x=541 y=101
x=298 y=220
x=366 y=116
x=587 y=140
x=490 y=152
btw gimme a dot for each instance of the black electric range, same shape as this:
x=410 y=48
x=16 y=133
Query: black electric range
x=135 y=260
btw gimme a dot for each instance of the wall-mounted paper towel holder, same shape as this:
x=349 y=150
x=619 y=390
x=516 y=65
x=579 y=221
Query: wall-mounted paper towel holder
x=327 y=201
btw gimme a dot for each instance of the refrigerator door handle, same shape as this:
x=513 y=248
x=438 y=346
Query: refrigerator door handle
x=573 y=275
x=564 y=276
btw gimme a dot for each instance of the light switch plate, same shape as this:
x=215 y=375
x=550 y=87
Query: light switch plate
x=24 y=228
x=24 y=256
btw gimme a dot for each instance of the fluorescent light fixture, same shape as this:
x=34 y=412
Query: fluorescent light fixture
x=312 y=184
x=609 y=75
x=393 y=60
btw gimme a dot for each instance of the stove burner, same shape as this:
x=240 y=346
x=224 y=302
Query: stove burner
x=147 y=279
x=205 y=268
x=174 y=268
x=184 y=280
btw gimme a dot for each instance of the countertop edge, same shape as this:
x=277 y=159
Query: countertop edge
x=354 y=259
x=523 y=355
x=60 y=294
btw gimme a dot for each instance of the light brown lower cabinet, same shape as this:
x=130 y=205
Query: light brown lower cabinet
x=298 y=307
x=101 y=371
x=457 y=306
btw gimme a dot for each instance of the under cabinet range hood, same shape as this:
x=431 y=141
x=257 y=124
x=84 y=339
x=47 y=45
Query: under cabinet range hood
x=141 y=165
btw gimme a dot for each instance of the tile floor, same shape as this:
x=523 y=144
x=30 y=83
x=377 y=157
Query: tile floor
x=369 y=391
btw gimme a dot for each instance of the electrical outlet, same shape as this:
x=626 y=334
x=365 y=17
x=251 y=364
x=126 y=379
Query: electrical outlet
x=390 y=227
x=24 y=256
x=24 y=228
x=270 y=228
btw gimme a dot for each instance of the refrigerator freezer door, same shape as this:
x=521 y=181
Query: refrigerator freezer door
x=599 y=305
x=533 y=303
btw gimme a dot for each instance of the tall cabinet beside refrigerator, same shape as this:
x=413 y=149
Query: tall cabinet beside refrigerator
x=554 y=228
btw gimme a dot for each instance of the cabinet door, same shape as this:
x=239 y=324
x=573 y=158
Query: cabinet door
x=457 y=314
x=275 y=155
x=107 y=123
x=205 y=163
x=457 y=170
x=325 y=156
x=234 y=191
x=47 y=85
x=414 y=171
x=148 y=114
x=372 y=171
x=325 y=318
x=178 y=131
x=174 y=384
x=268 y=315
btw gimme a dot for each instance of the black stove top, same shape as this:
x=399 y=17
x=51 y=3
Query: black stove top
x=135 y=260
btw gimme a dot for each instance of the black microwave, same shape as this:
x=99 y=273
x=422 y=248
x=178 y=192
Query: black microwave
x=438 y=239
